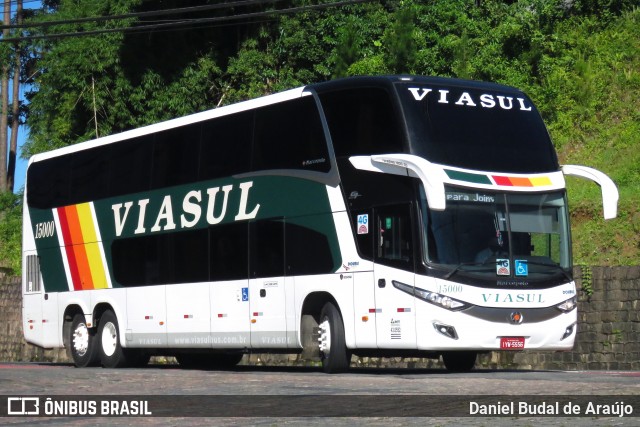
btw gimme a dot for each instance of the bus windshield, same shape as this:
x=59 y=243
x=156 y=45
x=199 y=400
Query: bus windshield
x=479 y=129
x=491 y=236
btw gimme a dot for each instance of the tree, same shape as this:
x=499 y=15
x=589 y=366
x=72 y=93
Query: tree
x=10 y=112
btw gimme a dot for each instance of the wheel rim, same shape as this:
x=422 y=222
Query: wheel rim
x=81 y=339
x=109 y=338
x=325 y=337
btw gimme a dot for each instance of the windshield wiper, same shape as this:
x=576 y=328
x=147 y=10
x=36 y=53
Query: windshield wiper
x=458 y=267
x=546 y=264
x=464 y=264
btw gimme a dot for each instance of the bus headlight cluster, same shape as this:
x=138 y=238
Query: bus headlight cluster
x=568 y=305
x=432 y=297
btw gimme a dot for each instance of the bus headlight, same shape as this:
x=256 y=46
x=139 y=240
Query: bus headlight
x=434 y=298
x=568 y=305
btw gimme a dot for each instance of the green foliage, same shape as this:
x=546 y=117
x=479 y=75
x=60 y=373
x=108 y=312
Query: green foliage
x=11 y=230
x=578 y=60
x=586 y=281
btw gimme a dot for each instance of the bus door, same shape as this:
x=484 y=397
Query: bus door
x=393 y=271
x=267 y=297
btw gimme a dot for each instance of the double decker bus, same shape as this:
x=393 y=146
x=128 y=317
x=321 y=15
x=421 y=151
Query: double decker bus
x=372 y=216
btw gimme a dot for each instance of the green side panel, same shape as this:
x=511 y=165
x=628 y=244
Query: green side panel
x=186 y=207
x=51 y=264
x=468 y=177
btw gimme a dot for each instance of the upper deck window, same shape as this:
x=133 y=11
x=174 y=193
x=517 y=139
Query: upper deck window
x=477 y=128
x=285 y=135
x=362 y=121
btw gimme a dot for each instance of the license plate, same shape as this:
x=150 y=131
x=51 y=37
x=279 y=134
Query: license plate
x=512 y=343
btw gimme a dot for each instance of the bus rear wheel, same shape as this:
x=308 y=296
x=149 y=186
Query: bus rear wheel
x=112 y=355
x=82 y=344
x=333 y=349
x=459 y=361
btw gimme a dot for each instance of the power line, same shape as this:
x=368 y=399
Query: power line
x=13 y=2
x=190 y=9
x=197 y=21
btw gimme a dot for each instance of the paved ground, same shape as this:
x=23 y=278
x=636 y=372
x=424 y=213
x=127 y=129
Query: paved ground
x=298 y=396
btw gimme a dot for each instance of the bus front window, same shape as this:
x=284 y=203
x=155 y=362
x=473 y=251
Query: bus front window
x=488 y=236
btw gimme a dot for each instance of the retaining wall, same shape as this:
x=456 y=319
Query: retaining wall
x=608 y=331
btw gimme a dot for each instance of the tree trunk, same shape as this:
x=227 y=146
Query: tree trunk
x=15 y=114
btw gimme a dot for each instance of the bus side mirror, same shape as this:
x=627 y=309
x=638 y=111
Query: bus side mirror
x=432 y=176
x=607 y=186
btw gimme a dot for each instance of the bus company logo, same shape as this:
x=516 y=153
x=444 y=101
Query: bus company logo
x=516 y=318
x=190 y=214
x=503 y=267
x=23 y=406
x=485 y=100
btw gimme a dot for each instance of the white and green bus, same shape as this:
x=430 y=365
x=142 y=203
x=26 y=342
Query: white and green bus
x=374 y=216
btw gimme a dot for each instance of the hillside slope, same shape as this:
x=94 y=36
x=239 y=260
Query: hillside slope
x=597 y=123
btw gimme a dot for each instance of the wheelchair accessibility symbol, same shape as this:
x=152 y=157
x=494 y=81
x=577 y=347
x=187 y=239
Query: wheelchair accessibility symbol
x=522 y=268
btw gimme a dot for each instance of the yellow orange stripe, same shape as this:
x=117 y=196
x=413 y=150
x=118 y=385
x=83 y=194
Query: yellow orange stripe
x=86 y=223
x=79 y=251
x=540 y=181
x=94 y=258
x=520 y=182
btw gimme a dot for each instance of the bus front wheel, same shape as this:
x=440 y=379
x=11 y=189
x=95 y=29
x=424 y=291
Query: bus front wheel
x=333 y=350
x=82 y=343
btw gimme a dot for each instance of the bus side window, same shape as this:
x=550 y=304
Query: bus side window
x=130 y=166
x=175 y=156
x=228 y=248
x=225 y=146
x=307 y=251
x=289 y=135
x=266 y=243
x=362 y=122
x=394 y=246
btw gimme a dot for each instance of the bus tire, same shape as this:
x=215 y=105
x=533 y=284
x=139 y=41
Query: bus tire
x=333 y=350
x=82 y=343
x=110 y=350
x=459 y=361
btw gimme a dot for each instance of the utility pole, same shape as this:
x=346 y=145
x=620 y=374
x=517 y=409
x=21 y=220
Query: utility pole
x=4 y=119
x=15 y=113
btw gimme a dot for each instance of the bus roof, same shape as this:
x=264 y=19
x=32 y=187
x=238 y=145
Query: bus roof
x=329 y=86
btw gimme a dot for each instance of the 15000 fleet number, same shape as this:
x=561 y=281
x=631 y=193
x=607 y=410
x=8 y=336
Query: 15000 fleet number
x=45 y=229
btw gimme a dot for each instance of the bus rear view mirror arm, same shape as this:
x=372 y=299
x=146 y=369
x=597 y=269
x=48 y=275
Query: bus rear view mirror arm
x=432 y=176
x=607 y=186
